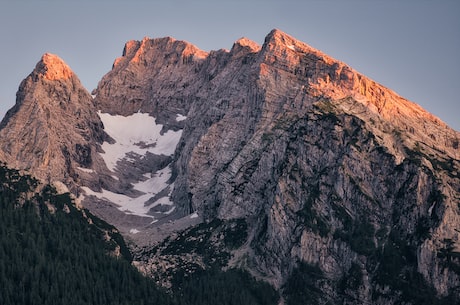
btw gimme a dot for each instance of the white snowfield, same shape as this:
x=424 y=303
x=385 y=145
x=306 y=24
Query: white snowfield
x=136 y=206
x=138 y=134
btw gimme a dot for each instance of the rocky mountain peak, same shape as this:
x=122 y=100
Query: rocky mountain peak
x=56 y=121
x=284 y=59
x=244 y=46
x=248 y=44
x=52 y=67
x=277 y=36
x=279 y=40
x=147 y=70
x=136 y=51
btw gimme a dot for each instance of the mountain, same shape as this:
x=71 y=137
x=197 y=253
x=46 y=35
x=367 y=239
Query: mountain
x=53 y=130
x=275 y=159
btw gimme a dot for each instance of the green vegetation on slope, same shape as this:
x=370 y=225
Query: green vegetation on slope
x=53 y=253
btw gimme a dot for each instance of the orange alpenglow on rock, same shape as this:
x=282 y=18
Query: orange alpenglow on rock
x=53 y=68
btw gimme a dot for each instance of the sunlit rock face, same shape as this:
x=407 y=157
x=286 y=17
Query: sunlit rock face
x=327 y=168
x=53 y=128
x=53 y=68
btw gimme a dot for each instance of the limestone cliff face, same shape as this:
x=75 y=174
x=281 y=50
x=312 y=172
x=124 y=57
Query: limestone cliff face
x=331 y=168
x=342 y=185
x=328 y=167
x=53 y=129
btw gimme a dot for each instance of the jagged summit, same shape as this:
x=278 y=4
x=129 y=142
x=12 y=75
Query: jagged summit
x=149 y=61
x=323 y=76
x=53 y=127
x=277 y=36
x=247 y=43
x=52 y=67
x=141 y=51
x=285 y=41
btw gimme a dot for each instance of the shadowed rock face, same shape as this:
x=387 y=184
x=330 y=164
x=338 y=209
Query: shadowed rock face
x=327 y=168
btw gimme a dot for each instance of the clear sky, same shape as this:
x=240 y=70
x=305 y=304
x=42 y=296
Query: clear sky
x=410 y=46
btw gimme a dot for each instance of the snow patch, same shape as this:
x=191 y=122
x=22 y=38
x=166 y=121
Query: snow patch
x=135 y=136
x=430 y=210
x=194 y=215
x=291 y=46
x=180 y=117
x=131 y=130
x=156 y=182
x=86 y=170
x=134 y=231
x=170 y=210
x=136 y=206
x=124 y=202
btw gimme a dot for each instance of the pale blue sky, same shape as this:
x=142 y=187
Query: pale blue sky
x=410 y=46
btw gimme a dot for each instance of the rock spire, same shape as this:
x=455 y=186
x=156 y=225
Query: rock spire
x=53 y=127
x=53 y=68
